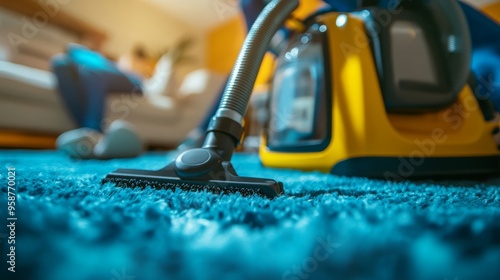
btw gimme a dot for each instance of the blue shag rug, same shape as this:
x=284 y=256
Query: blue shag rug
x=69 y=227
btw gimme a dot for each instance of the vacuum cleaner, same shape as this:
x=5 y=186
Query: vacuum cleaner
x=209 y=168
x=352 y=95
x=381 y=93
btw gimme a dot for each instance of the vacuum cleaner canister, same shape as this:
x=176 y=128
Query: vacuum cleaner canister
x=371 y=95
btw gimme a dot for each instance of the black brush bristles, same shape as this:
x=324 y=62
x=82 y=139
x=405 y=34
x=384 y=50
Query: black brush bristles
x=143 y=178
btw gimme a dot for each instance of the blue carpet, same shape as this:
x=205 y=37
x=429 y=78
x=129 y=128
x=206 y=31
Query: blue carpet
x=325 y=227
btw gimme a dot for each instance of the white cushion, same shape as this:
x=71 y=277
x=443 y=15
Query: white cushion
x=164 y=80
x=19 y=81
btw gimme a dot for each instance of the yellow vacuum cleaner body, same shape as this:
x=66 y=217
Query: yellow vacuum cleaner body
x=355 y=99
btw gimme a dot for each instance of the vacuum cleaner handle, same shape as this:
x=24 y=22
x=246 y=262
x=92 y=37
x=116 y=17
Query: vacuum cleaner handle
x=224 y=132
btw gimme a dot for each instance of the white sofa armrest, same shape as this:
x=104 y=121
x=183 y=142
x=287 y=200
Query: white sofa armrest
x=200 y=88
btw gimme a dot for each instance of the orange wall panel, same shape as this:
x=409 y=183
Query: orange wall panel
x=224 y=43
x=493 y=10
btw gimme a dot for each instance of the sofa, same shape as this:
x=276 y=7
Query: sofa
x=30 y=103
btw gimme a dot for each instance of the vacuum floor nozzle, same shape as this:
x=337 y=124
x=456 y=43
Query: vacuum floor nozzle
x=223 y=183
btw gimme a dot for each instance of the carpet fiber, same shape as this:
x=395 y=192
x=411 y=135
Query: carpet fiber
x=325 y=227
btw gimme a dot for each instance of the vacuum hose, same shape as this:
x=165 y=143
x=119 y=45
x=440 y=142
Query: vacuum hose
x=242 y=79
x=225 y=130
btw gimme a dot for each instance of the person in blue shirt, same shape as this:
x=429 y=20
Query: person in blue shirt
x=485 y=37
x=84 y=78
